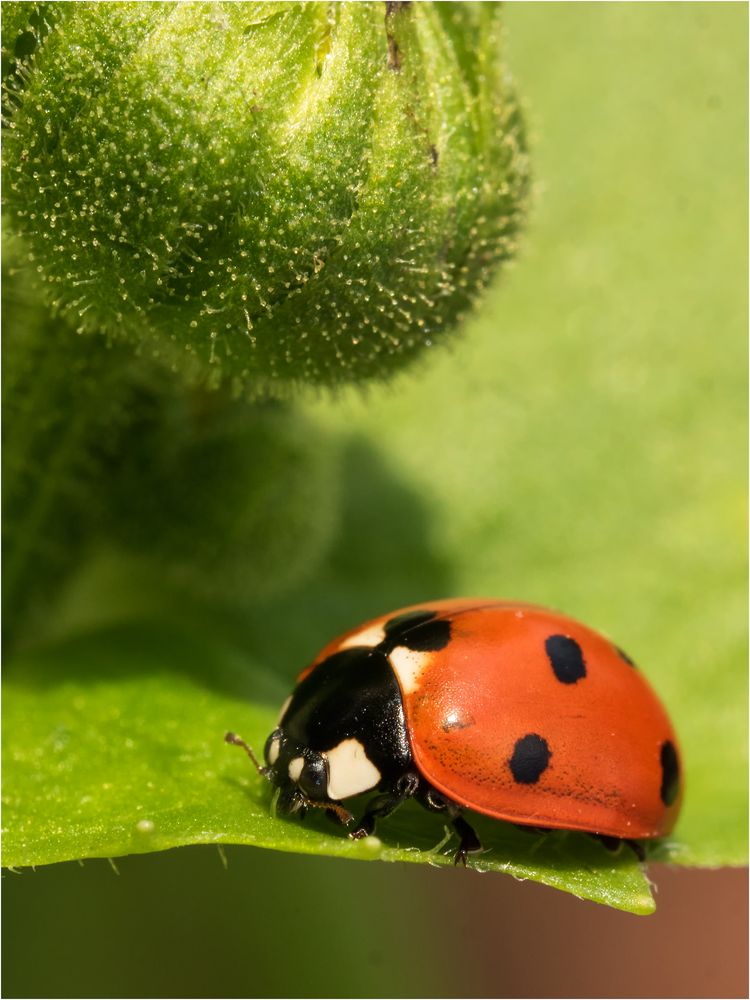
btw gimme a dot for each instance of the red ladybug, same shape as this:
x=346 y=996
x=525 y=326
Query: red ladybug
x=508 y=709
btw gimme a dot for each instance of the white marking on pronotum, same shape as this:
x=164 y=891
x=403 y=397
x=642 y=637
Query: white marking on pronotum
x=295 y=767
x=349 y=770
x=407 y=665
x=370 y=636
x=284 y=707
x=273 y=750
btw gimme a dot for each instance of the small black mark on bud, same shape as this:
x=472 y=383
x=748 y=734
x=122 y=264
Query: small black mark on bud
x=394 y=52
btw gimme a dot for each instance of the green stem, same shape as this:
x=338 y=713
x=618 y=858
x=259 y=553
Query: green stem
x=63 y=403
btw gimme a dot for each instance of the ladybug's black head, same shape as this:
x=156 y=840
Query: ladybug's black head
x=291 y=765
x=301 y=775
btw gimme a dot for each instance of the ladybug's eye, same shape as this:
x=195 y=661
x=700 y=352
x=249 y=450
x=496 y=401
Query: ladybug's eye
x=313 y=778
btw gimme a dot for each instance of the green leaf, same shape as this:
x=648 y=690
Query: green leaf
x=114 y=745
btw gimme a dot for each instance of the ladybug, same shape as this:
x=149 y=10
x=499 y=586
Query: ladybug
x=507 y=709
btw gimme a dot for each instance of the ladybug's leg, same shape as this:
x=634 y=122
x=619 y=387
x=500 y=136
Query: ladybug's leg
x=637 y=848
x=615 y=843
x=469 y=842
x=384 y=805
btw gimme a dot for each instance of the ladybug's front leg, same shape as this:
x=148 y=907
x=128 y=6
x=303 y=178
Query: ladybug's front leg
x=469 y=842
x=384 y=805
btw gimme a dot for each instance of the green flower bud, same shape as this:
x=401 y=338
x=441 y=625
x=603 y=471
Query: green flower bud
x=269 y=192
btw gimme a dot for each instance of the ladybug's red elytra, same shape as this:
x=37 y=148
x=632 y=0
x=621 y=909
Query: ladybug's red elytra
x=507 y=709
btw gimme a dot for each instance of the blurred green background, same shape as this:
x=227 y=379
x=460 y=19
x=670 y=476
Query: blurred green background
x=581 y=445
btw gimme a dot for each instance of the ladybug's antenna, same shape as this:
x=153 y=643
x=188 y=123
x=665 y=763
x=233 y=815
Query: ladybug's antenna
x=343 y=815
x=239 y=742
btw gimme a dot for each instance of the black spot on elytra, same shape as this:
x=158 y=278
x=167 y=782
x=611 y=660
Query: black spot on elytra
x=428 y=638
x=420 y=631
x=394 y=626
x=566 y=658
x=530 y=758
x=670 y=773
x=624 y=656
